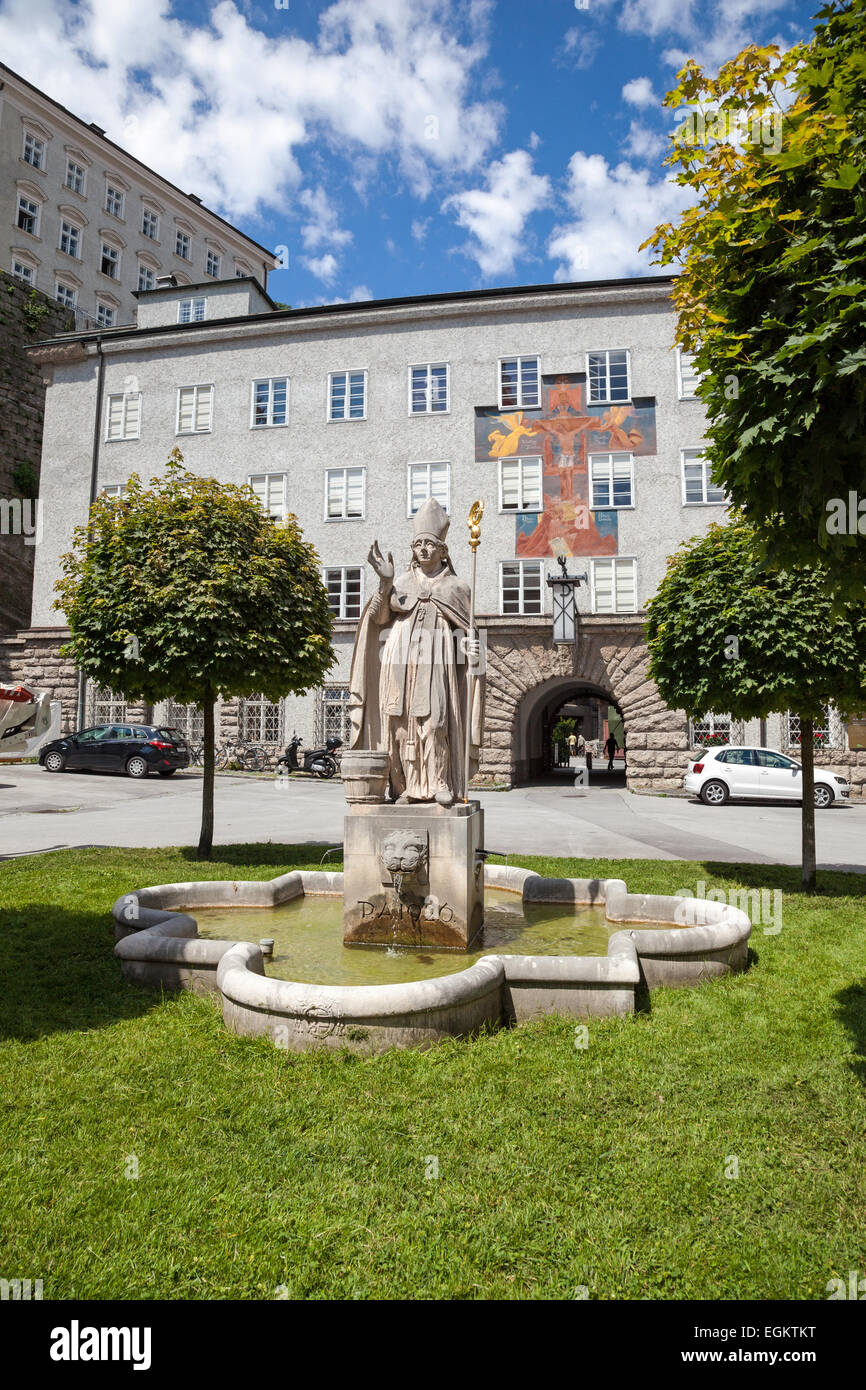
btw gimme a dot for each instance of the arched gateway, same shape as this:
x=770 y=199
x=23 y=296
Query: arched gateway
x=529 y=677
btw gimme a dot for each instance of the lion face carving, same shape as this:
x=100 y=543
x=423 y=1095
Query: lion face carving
x=405 y=852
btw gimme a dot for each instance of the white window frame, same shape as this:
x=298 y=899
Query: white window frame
x=188 y=309
x=606 y=400
x=114 y=196
x=428 y=464
x=106 y=315
x=115 y=490
x=146 y=214
x=81 y=170
x=269 y=423
x=522 y=565
x=113 y=252
x=700 y=457
x=23 y=271
x=519 y=358
x=32 y=209
x=197 y=389
x=281 y=510
x=33 y=140
x=343 y=570
x=428 y=408
x=74 y=232
x=350 y=468
x=347 y=372
x=71 y=303
x=615 y=561
x=146 y=273
x=682 y=394
x=609 y=457
x=182 y=238
x=125 y=397
x=522 y=460
x=215 y=257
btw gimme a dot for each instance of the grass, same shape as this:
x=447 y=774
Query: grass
x=558 y=1168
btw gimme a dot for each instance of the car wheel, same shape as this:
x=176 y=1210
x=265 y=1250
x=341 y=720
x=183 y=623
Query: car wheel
x=137 y=766
x=54 y=762
x=714 y=793
x=169 y=772
x=823 y=796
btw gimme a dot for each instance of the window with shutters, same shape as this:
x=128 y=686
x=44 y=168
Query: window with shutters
x=191 y=310
x=260 y=720
x=611 y=480
x=519 y=383
x=270 y=403
x=687 y=377
x=698 y=487
x=520 y=487
x=70 y=239
x=194 y=409
x=429 y=480
x=614 y=585
x=109 y=261
x=76 y=176
x=332 y=714
x=344 y=591
x=123 y=416
x=347 y=396
x=28 y=215
x=271 y=491
x=344 y=494
x=608 y=376
x=520 y=591
x=34 y=150
x=429 y=389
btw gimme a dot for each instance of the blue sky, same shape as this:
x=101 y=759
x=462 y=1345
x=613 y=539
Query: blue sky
x=399 y=147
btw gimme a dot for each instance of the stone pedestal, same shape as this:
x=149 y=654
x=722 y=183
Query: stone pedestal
x=413 y=875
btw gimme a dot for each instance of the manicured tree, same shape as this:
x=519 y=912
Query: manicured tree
x=188 y=590
x=727 y=633
x=771 y=294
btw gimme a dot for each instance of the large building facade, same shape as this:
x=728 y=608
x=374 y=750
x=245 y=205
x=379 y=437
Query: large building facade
x=566 y=408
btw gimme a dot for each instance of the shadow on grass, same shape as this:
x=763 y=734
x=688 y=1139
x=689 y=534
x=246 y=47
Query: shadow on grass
x=303 y=855
x=58 y=973
x=848 y=882
x=852 y=1011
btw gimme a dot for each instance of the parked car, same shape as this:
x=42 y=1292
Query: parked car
x=717 y=774
x=135 y=749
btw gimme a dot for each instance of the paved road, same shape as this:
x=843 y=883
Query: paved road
x=39 y=811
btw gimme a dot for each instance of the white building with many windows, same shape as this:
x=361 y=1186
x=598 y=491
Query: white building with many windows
x=88 y=224
x=565 y=407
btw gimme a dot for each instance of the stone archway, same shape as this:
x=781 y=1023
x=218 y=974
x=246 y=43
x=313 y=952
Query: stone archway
x=525 y=671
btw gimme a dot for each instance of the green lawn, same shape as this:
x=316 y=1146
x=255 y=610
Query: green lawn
x=558 y=1167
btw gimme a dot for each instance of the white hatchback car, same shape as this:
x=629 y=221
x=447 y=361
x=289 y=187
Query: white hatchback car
x=717 y=774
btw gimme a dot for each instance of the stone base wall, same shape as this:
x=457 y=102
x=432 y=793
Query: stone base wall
x=32 y=658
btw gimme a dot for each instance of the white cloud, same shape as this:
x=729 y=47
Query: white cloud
x=227 y=111
x=323 y=267
x=715 y=33
x=582 y=45
x=639 y=92
x=642 y=143
x=614 y=210
x=322 y=228
x=419 y=227
x=496 y=216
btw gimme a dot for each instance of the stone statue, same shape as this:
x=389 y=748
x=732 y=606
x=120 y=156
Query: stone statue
x=408 y=684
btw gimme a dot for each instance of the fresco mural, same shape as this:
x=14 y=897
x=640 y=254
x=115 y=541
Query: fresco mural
x=564 y=435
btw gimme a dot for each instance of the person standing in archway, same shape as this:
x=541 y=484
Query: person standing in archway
x=610 y=747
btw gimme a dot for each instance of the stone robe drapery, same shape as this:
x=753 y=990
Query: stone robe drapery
x=407 y=688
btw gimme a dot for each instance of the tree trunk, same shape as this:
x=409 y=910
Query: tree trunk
x=807 y=759
x=205 y=842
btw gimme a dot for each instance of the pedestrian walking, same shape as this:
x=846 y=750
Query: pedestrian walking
x=610 y=747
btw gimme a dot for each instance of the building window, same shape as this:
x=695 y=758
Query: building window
x=332 y=714
x=520 y=485
x=429 y=389
x=344 y=592
x=24 y=272
x=76 y=175
x=191 y=310
x=150 y=224
x=519 y=383
x=821 y=730
x=70 y=239
x=260 y=720
x=194 y=409
x=109 y=261
x=614 y=586
x=270 y=402
x=611 y=478
x=146 y=278
x=214 y=264
x=520 y=587
x=713 y=730
x=687 y=377
x=113 y=490
x=105 y=315
x=104 y=706
x=34 y=150
x=182 y=244
x=187 y=719
x=28 y=215
x=66 y=296
x=123 y=416
x=113 y=200
x=344 y=494
x=347 y=396
x=429 y=480
x=608 y=376
x=698 y=489
x=270 y=490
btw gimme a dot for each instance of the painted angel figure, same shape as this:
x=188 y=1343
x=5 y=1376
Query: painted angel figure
x=410 y=666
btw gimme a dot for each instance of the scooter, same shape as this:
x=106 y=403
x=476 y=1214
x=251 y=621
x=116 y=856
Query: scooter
x=318 y=761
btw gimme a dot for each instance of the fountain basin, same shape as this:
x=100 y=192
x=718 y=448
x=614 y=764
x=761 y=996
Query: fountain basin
x=158 y=945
